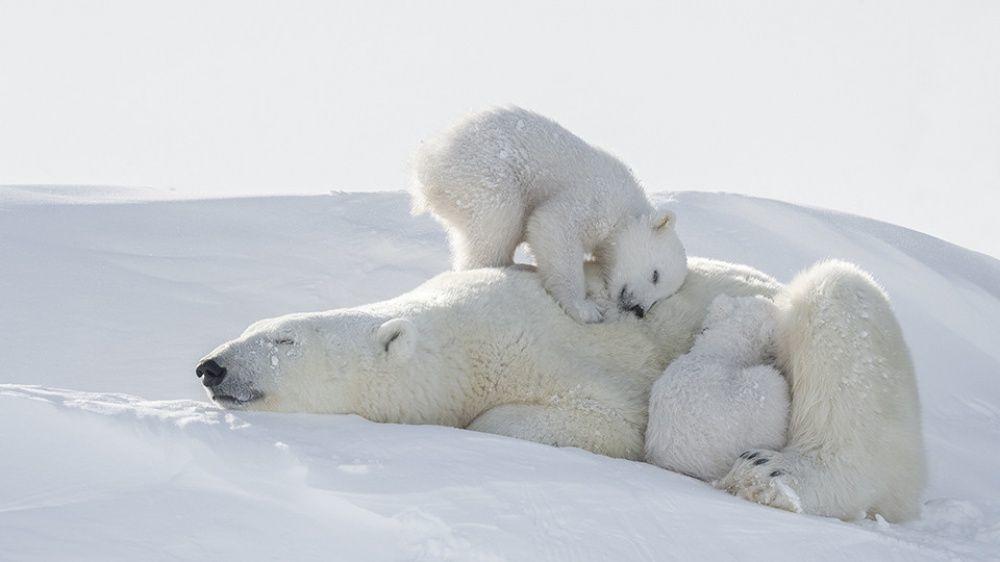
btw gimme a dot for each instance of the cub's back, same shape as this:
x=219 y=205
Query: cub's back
x=514 y=150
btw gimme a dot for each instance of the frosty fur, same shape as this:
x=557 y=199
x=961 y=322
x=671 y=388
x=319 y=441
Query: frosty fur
x=489 y=350
x=721 y=397
x=507 y=175
x=855 y=445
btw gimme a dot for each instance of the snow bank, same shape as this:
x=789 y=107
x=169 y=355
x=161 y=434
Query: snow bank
x=124 y=293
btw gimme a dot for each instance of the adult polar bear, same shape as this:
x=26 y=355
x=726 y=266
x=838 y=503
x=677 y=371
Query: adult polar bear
x=489 y=350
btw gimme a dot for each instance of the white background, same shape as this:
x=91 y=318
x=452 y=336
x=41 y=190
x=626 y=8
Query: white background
x=885 y=109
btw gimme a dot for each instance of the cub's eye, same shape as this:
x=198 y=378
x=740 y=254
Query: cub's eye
x=284 y=341
x=656 y=276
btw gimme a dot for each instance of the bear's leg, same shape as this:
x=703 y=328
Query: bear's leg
x=490 y=237
x=766 y=477
x=555 y=243
x=855 y=444
x=564 y=427
x=799 y=482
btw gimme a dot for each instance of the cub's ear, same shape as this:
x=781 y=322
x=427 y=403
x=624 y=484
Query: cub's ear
x=664 y=221
x=397 y=337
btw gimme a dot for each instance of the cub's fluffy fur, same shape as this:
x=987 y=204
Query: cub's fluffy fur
x=504 y=176
x=721 y=398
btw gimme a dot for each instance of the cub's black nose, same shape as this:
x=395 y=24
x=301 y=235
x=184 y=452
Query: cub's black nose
x=626 y=303
x=210 y=372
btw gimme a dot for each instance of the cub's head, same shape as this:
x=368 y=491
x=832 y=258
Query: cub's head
x=316 y=362
x=644 y=263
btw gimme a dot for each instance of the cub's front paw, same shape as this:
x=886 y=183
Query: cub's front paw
x=584 y=311
x=764 y=477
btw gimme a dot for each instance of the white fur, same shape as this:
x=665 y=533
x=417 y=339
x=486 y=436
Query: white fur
x=721 y=398
x=854 y=439
x=504 y=176
x=486 y=349
x=489 y=350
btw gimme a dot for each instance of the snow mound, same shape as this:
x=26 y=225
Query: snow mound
x=77 y=194
x=118 y=297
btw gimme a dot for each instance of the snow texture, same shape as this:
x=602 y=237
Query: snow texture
x=118 y=297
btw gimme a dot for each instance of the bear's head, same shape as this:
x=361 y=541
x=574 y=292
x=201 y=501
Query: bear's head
x=317 y=362
x=644 y=262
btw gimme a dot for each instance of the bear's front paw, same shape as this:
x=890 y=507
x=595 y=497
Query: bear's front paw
x=763 y=477
x=584 y=311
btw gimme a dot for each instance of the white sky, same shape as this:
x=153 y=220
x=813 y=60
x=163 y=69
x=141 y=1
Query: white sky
x=885 y=109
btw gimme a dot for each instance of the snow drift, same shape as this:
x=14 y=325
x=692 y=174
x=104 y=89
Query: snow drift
x=110 y=451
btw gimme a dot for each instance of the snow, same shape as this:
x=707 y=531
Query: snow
x=111 y=451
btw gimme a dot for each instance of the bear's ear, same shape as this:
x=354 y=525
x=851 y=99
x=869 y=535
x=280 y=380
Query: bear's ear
x=664 y=221
x=397 y=337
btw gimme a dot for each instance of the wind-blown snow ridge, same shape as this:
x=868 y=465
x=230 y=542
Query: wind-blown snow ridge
x=116 y=299
x=186 y=479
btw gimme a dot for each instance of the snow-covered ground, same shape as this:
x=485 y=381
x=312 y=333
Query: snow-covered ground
x=109 y=449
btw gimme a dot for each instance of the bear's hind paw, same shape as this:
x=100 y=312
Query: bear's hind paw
x=763 y=477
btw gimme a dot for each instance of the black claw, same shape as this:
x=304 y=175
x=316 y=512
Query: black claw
x=777 y=473
x=760 y=461
x=752 y=456
x=744 y=454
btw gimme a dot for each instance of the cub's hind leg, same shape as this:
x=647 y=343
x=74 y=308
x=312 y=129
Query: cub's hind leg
x=489 y=236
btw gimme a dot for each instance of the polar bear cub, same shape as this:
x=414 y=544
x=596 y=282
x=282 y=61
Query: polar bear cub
x=507 y=175
x=721 y=398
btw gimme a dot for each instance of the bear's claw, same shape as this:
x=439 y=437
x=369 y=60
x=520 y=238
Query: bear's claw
x=751 y=480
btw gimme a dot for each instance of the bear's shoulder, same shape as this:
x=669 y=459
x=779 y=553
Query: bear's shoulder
x=674 y=321
x=708 y=278
x=717 y=277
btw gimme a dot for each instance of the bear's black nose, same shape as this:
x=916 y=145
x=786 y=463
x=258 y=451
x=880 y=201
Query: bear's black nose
x=210 y=372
